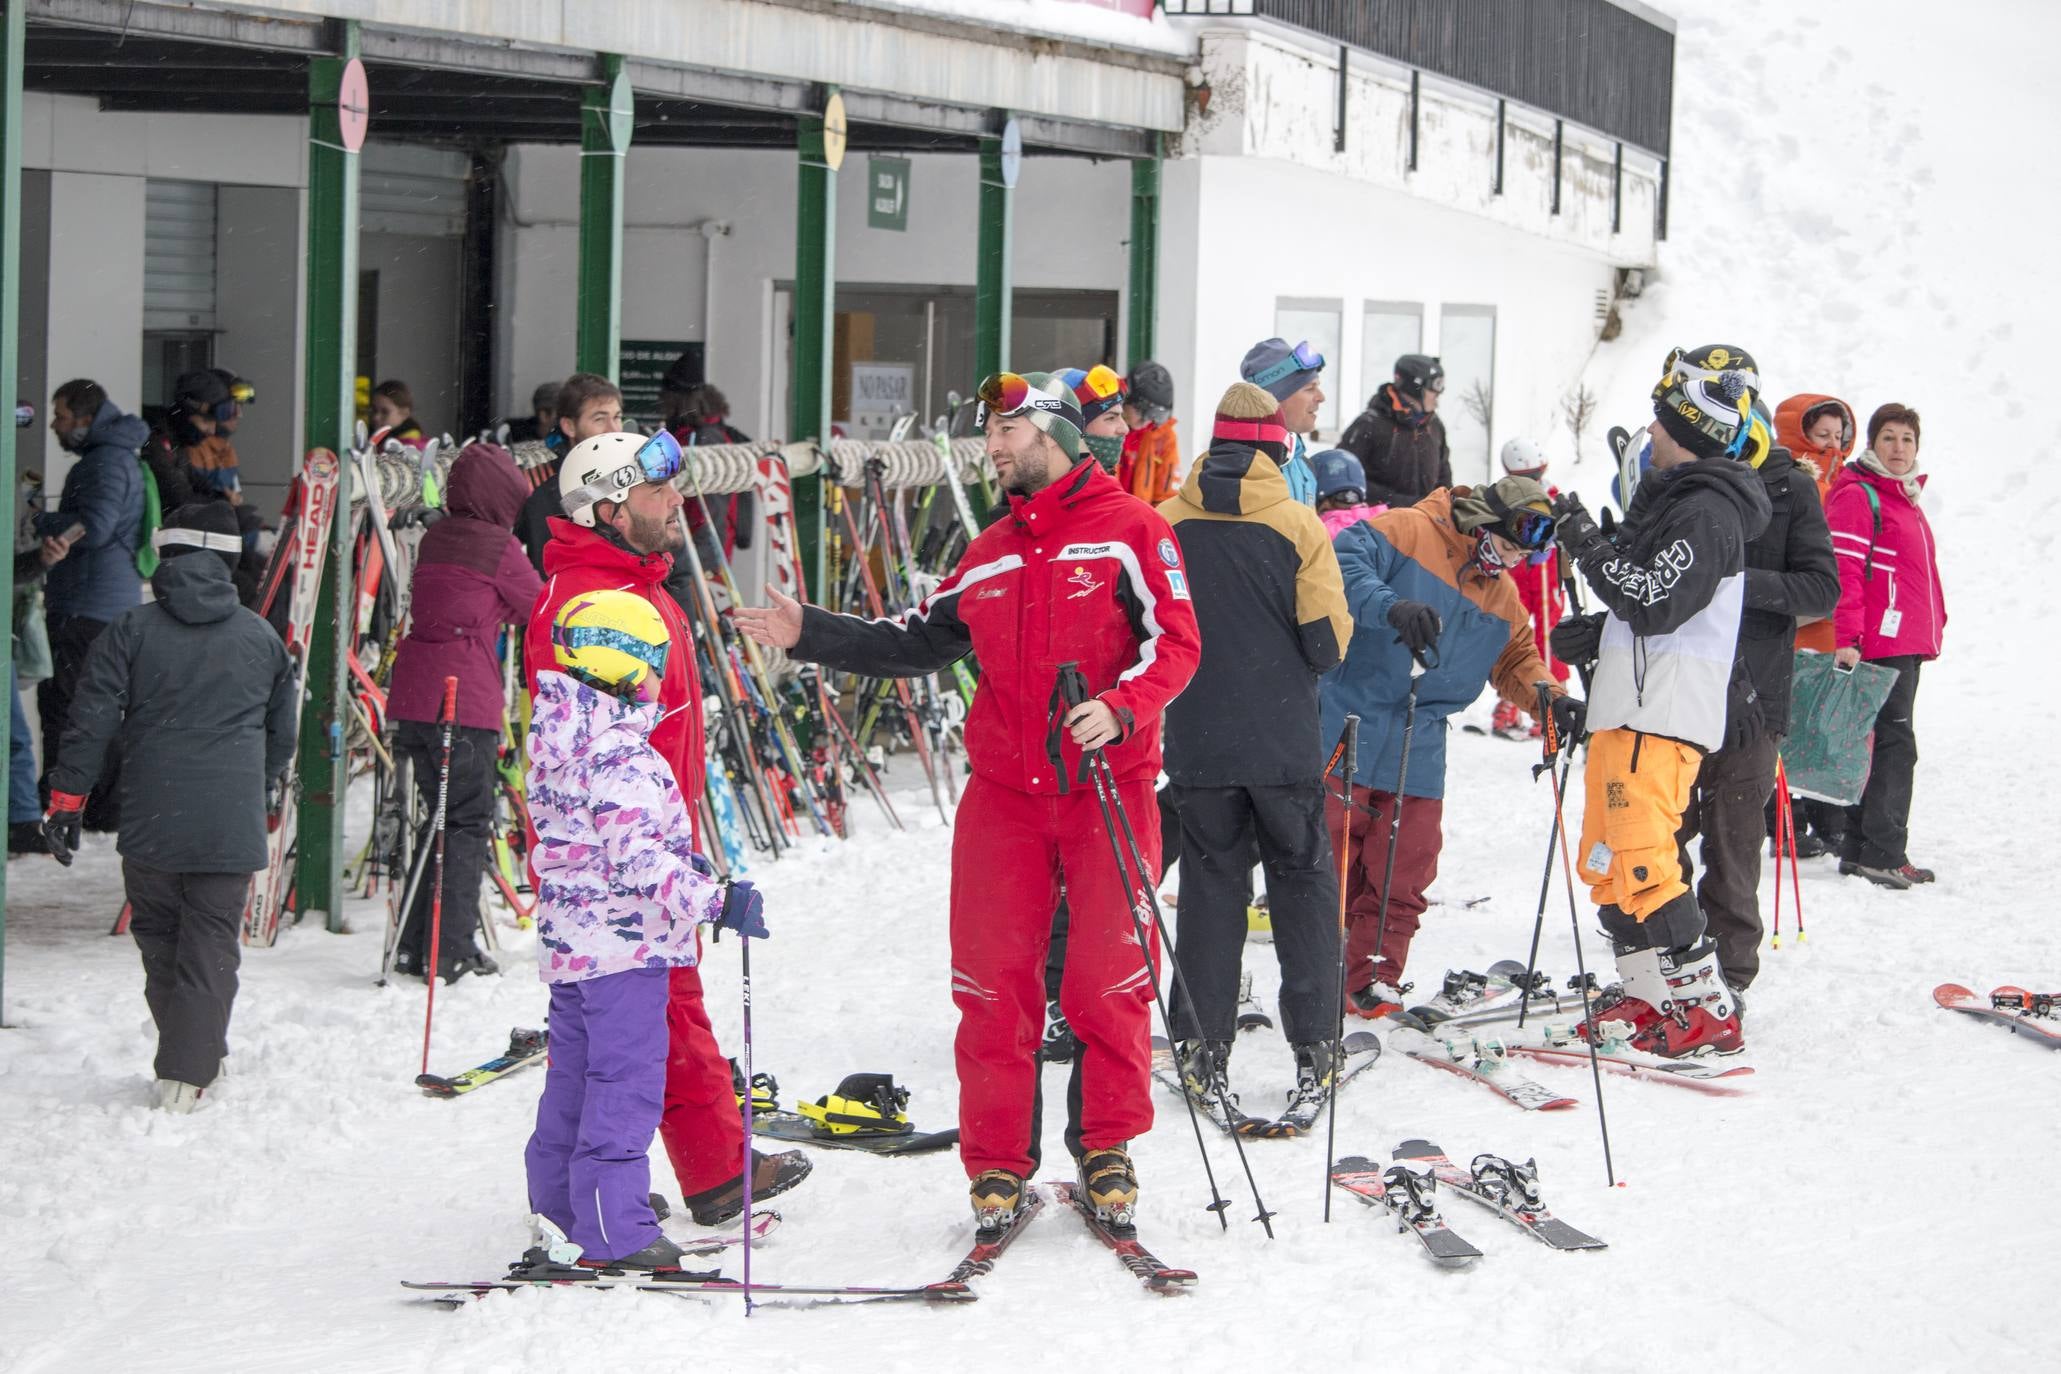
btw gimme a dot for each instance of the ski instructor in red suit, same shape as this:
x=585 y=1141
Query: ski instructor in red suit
x=1077 y=571
x=622 y=530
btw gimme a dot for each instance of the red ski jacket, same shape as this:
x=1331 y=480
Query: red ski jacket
x=580 y=560
x=1080 y=573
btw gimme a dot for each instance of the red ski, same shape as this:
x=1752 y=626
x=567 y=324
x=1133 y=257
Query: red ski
x=2032 y=1015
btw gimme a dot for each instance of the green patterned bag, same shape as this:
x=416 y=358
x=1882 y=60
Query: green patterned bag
x=1832 y=727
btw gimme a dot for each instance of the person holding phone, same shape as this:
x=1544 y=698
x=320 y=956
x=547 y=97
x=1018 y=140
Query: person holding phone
x=89 y=545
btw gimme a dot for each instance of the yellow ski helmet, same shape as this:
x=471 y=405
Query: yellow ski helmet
x=611 y=640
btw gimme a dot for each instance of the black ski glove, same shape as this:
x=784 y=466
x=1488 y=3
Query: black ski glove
x=1577 y=639
x=63 y=825
x=1744 y=727
x=1570 y=717
x=1416 y=624
x=1573 y=528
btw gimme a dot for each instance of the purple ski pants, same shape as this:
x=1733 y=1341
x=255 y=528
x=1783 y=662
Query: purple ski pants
x=589 y=1171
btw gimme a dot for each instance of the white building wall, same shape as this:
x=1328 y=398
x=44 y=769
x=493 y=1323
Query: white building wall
x=1239 y=234
x=96 y=294
x=1072 y=218
x=261 y=271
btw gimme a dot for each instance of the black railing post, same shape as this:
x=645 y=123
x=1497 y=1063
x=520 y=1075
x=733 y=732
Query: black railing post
x=1559 y=143
x=1502 y=125
x=1338 y=139
x=1617 y=191
x=1415 y=78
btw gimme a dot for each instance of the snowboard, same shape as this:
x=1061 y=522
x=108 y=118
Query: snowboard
x=797 y=1129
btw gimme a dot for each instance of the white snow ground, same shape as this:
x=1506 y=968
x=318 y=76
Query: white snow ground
x=1855 y=207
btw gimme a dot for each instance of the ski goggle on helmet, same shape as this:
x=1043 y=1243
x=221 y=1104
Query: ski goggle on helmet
x=612 y=641
x=1011 y=393
x=1712 y=389
x=607 y=466
x=1099 y=390
x=1301 y=358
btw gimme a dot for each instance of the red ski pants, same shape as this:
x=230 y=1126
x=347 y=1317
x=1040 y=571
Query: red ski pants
x=1416 y=864
x=702 y=1129
x=1009 y=849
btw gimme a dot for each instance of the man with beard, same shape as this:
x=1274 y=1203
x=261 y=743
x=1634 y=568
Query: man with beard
x=620 y=531
x=1075 y=574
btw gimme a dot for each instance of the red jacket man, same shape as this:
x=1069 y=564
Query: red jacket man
x=1077 y=572
x=626 y=540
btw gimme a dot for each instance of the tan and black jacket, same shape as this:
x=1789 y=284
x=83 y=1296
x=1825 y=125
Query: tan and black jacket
x=1272 y=613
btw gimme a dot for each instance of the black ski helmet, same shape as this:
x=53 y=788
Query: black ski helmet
x=1416 y=371
x=1150 y=386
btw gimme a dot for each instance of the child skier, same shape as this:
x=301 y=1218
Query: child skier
x=620 y=893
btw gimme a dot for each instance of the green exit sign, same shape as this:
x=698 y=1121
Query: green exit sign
x=887 y=193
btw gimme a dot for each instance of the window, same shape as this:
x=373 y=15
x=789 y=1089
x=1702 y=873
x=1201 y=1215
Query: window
x=1388 y=330
x=1467 y=347
x=1317 y=321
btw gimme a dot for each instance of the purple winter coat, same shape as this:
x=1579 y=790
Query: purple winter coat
x=471 y=578
x=619 y=886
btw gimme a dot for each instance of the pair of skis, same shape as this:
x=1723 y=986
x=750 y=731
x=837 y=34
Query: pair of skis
x=536 y=1269
x=1408 y=1190
x=1153 y=1273
x=1361 y=1051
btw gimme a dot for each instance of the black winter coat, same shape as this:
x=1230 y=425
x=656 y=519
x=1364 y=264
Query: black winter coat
x=1791 y=575
x=201 y=695
x=1404 y=463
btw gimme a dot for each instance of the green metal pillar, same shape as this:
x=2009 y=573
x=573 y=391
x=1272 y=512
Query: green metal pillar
x=991 y=276
x=12 y=36
x=1144 y=284
x=820 y=140
x=607 y=114
x=330 y=318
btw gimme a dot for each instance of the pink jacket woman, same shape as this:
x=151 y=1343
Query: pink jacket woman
x=1890 y=600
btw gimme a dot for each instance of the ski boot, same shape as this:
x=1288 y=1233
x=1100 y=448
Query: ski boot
x=1895 y=879
x=1205 y=1068
x=1698 y=1012
x=180 y=1099
x=1314 y=1069
x=997 y=1198
x=1110 y=1185
x=661 y=1256
x=1377 y=1000
x=1627 y=1007
x=771 y=1175
x=1061 y=1044
x=1259 y=921
x=1508 y=722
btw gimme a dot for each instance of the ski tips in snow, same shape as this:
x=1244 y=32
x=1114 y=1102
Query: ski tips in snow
x=2036 y=1016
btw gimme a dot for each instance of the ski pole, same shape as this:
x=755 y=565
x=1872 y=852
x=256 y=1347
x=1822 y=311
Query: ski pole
x=1785 y=838
x=1073 y=690
x=1395 y=809
x=1553 y=745
x=1350 y=745
x=1538 y=925
x=744 y=977
x=433 y=956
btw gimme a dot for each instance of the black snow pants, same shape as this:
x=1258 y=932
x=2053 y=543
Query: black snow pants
x=1219 y=828
x=1878 y=830
x=468 y=829
x=1728 y=808
x=187 y=927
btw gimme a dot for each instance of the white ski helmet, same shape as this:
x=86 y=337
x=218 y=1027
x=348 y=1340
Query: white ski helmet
x=1523 y=457
x=602 y=468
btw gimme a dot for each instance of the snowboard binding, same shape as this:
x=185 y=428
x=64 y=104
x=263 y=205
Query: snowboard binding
x=865 y=1103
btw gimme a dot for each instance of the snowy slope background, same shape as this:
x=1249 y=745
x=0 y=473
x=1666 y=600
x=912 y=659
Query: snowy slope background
x=1861 y=202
